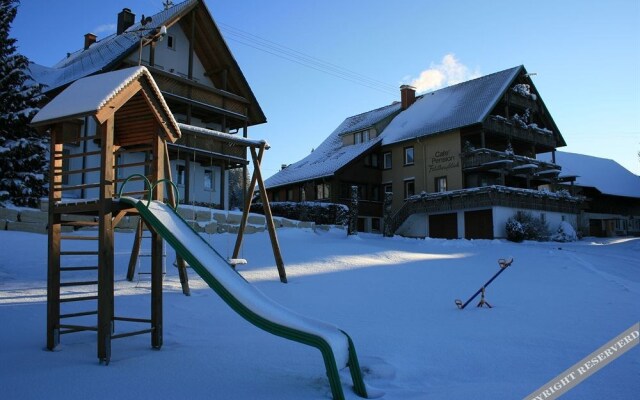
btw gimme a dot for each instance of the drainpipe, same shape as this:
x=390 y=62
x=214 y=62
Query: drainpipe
x=424 y=163
x=84 y=157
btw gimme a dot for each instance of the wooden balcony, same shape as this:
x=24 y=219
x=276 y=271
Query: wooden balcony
x=486 y=197
x=228 y=103
x=522 y=101
x=502 y=126
x=510 y=164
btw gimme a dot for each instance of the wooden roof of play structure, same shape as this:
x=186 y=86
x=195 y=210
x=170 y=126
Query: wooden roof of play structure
x=131 y=95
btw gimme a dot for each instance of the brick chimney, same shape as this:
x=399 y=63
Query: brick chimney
x=407 y=96
x=125 y=19
x=89 y=39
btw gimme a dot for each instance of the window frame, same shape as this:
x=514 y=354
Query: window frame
x=438 y=187
x=171 y=42
x=406 y=158
x=386 y=165
x=408 y=182
x=211 y=180
x=181 y=171
x=323 y=191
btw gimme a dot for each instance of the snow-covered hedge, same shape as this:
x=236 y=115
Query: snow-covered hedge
x=524 y=226
x=565 y=233
x=320 y=213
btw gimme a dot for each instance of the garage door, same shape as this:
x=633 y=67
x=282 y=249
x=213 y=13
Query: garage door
x=444 y=226
x=478 y=224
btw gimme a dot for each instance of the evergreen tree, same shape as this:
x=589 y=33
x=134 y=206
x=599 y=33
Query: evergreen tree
x=237 y=188
x=23 y=151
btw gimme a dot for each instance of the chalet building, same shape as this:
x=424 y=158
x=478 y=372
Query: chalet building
x=199 y=79
x=458 y=161
x=611 y=192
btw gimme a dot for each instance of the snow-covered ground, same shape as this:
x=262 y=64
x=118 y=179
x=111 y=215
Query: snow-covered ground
x=556 y=304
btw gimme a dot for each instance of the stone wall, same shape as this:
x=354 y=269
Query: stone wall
x=201 y=219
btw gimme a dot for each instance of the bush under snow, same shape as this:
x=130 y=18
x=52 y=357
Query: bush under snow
x=565 y=233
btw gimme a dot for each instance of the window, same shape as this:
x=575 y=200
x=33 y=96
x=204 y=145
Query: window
x=408 y=155
x=441 y=184
x=209 y=180
x=180 y=175
x=289 y=194
x=386 y=160
x=375 y=225
x=375 y=193
x=361 y=137
x=388 y=188
x=171 y=42
x=362 y=192
x=409 y=188
x=323 y=191
x=374 y=160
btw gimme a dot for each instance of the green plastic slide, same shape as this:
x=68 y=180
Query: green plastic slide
x=335 y=345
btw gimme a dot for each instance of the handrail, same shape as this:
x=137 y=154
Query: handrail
x=175 y=189
x=151 y=187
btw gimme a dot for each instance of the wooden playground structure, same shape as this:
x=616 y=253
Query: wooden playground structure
x=131 y=116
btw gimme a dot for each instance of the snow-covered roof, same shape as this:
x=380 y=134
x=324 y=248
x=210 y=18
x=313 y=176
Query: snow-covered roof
x=605 y=175
x=102 y=54
x=88 y=95
x=331 y=155
x=450 y=108
x=224 y=136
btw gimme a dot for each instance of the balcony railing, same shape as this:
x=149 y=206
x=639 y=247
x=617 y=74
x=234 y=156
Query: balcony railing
x=488 y=159
x=503 y=126
x=522 y=101
x=180 y=87
x=488 y=196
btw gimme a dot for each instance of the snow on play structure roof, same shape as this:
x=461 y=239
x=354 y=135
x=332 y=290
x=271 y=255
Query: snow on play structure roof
x=450 y=108
x=605 y=175
x=102 y=54
x=331 y=155
x=224 y=136
x=88 y=95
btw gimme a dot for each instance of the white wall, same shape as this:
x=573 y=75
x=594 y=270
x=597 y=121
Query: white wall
x=175 y=60
x=502 y=214
x=198 y=192
x=417 y=225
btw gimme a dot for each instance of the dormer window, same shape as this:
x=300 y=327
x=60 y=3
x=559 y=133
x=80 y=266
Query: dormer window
x=361 y=137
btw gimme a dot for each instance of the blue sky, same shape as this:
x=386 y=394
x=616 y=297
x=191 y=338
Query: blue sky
x=586 y=56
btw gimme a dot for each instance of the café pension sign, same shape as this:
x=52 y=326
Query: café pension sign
x=443 y=160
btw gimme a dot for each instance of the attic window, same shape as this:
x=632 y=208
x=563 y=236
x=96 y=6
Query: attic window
x=171 y=42
x=361 y=137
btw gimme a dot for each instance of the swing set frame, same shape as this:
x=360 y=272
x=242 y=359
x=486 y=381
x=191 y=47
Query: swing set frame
x=256 y=149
